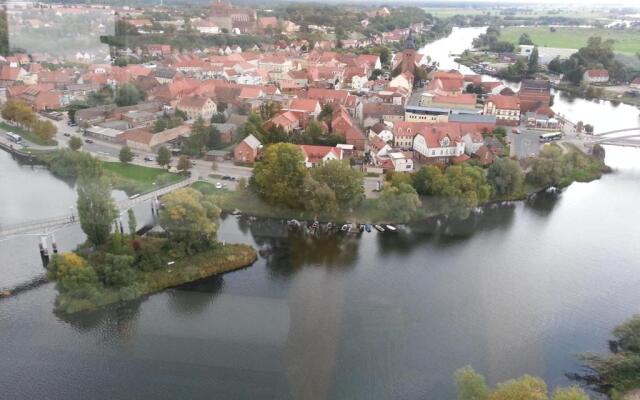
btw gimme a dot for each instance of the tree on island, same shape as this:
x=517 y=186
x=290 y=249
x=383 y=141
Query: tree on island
x=164 y=156
x=470 y=385
x=96 y=208
x=190 y=219
x=533 y=61
x=125 y=155
x=75 y=143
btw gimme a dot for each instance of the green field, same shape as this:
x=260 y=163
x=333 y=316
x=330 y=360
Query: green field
x=627 y=41
x=136 y=178
x=26 y=135
x=523 y=12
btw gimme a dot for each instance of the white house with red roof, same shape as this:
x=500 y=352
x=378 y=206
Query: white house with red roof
x=314 y=155
x=439 y=143
x=505 y=108
x=596 y=76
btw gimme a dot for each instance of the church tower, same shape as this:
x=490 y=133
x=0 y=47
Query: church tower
x=408 y=62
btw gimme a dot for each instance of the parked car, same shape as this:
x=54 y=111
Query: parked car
x=88 y=141
x=67 y=134
x=218 y=185
x=147 y=158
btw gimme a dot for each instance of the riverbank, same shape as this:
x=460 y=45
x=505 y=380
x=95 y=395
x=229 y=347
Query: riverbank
x=574 y=164
x=131 y=178
x=218 y=260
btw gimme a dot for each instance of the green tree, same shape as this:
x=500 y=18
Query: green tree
x=128 y=95
x=505 y=176
x=184 y=164
x=44 y=129
x=218 y=118
x=73 y=276
x=279 y=176
x=133 y=224
x=533 y=61
x=125 y=155
x=160 y=125
x=164 y=156
x=547 y=169
x=524 y=388
x=96 y=208
x=343 y=180
x=75 y=143
x=423 y=180
x=399 y=203
x=318 y=196
x=115 y=270
x=570 y=393
x=470 y=385
x=628 y=335
x=190 y=219
x=525 y=39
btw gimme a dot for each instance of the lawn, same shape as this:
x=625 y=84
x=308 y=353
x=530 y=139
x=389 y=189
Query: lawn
x=26 y=135
x=138 y=179
x=445 y=12
x=627 y=41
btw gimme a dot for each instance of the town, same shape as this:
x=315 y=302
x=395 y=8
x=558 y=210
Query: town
x=390 y=110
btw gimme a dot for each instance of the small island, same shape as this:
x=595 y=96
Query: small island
x=113 y=266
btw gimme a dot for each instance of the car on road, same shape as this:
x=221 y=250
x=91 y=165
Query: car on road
x=88 y=141
x=147 y=158
x=218 y=185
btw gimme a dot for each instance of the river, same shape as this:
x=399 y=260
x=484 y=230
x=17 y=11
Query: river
x=521 y=289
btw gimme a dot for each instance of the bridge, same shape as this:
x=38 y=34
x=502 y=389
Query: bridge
x=612 y=138
x=48 y=225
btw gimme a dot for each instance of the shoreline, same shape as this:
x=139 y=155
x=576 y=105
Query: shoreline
x=199 y=266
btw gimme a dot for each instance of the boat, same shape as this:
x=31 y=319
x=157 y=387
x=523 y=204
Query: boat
x=360 y=228
x=367 y=227
x=235 y=212
x=391 y=228
x=345 y=228
x=379 y=228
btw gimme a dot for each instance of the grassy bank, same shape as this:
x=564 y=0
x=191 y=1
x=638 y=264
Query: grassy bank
x=27 y=135
x=137 y=178
x=626 y=41
x=221 y=259
x=66 y=164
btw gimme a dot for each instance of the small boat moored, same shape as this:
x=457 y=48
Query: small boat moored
x=379 y=228
x=367 y=227
x=391 y=228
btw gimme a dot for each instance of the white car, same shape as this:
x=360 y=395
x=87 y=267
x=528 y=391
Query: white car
x=218 y=185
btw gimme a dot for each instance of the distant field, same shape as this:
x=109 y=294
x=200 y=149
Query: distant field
x=574 y=38
x=586 y=13
x=444 y=12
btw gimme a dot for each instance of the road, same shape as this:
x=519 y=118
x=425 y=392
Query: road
x=202 y=169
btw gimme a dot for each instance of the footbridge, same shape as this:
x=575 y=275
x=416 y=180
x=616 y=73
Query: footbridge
x=48 y=225
x=629 y=137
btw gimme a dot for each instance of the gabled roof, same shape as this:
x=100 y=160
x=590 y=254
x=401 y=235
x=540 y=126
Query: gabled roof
x=252 y=142
x=304 y=105
x=505 y=102
x=314 y=154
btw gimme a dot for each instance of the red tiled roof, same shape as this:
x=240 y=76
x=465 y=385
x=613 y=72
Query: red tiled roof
x=505 y=102
x=315 y=154
x=597 y=73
